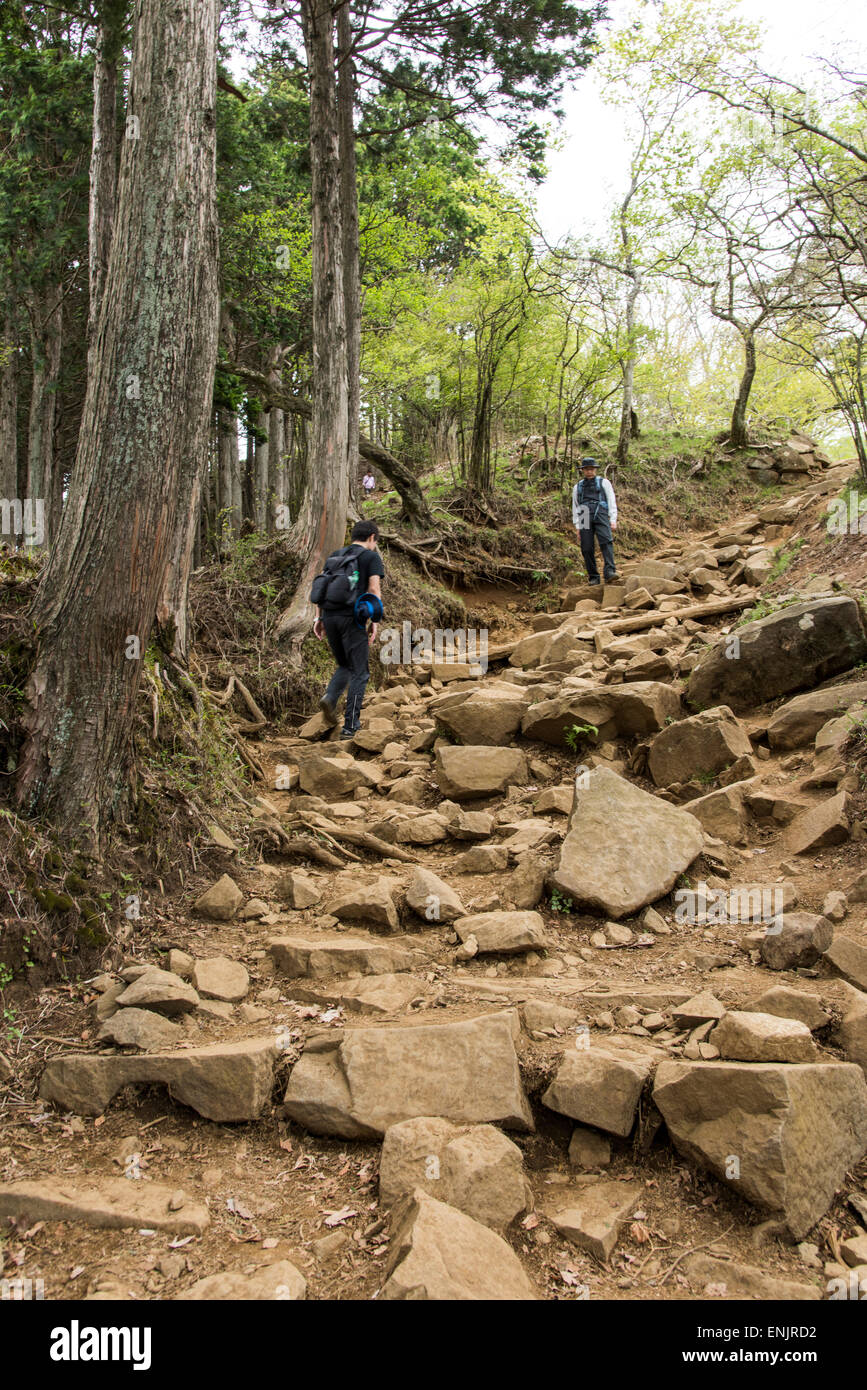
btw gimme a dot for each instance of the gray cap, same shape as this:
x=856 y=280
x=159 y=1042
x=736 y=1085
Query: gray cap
x=589 y=463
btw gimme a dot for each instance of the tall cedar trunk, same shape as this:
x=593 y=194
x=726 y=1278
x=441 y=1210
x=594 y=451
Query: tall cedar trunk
x=626 y=435
x=227 y=443
x=321 y=523
x=248 y=474
x=9 y=412
x=146 y=412
x=103 y=154
x=276 y=462
x=185 y=549
x=263 y=451
x=46 y=343
x=351 y=248
x=738 y=435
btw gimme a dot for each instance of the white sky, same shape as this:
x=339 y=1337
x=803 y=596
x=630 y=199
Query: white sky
x=590 y=169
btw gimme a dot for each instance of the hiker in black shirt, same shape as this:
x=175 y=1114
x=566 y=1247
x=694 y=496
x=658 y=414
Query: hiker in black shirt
x=348 y=596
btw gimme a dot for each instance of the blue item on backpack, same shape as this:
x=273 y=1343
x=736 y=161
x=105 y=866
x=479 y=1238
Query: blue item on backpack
x=368 y=609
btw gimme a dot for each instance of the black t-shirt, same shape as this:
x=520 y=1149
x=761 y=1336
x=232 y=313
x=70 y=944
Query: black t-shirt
x=369 y=562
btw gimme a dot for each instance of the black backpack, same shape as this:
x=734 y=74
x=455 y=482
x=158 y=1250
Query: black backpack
x=337 y=585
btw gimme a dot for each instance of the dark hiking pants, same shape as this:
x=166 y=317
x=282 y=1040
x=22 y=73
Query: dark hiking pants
x=598 y=530
x=348 y=643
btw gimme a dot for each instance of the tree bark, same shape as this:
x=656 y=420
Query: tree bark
x=103 y=155
x=260 y=477
x=227 y=444
x=276 y=463
x=625 y=436
x=248 y=477
x=321 y=523
x=143 y=435
x=46 y=342
x=738 y=434
x=351 y=247
x=9 y=412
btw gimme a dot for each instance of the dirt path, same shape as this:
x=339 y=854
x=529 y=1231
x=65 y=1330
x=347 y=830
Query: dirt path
x=274 y=1190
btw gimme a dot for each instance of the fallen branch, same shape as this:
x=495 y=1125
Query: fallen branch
x=365 y=840
x=307 y=848
x=691 y=1250
x=260 y=719
x=253 y=763
x=696 y=610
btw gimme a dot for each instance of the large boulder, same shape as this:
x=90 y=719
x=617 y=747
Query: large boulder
x=702 y=745
x=372 y=903
x=505 y=933
x=224 y=1082
x=528 y=652
x=624 y=848
x=798 y=721
x=321 y=958
x=601 y=1085
x=297 y=890
x=160 y=990
x=221 y=901
x=783 y=1135
x=593 y=1219
x=818 y=826
x=490 y=716
x=221 y=978
x=757 y=1037
x=140 y=1028
x=793 y=649
x=336 y=776
x=585 y=706
x=849 y=959
x=466 y=1072
x=853 y=1029
x=438 y=1254
x=633 y=710
x=722 y=813
x=796 y=939
x=785 y=1002
x=432 y=899
x=468 y=772
x=473 y=1167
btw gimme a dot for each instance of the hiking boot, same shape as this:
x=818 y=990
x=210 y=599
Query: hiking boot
x=347 y=733
x=328 y=711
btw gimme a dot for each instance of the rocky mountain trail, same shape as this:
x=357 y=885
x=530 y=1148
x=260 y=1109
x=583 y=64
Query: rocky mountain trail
x=552 y=983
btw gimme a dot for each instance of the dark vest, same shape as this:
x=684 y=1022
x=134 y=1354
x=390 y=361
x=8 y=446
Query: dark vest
x=591 y=495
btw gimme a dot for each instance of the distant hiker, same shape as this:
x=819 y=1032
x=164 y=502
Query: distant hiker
x=348 y=596
x=594 y=515
x=368 y=482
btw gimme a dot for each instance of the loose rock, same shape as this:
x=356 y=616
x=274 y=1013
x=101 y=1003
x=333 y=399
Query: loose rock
x=794 y=1129
x=438 y=1254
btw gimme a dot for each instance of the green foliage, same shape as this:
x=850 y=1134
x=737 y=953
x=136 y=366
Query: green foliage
x=45 y=105
x=784 y=558
x=577 y=734
x=560 y=902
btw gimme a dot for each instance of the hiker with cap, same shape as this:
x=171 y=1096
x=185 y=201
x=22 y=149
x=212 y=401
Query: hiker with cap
x=594 y=515
x=348 y=599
